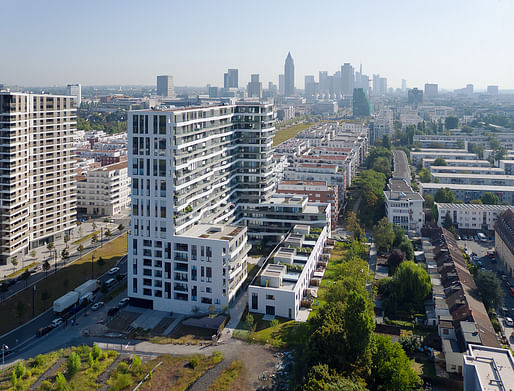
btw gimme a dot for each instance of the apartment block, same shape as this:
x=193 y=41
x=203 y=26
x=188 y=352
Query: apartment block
x=316 y=191
x=404 y=207
x=468 y=193
x=194 y=171
x=37 y=185
x=104 y=191
x=504 y=241
x=471 y=216
x=332 y=174
x=488 y=368
x=428 y=163
x=449 y=154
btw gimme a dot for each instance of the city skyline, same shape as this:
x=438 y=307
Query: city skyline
x=452 y=48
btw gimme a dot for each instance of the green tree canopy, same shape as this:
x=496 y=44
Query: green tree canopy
x=445 y=195
x=407 y=248
x=447 y=221
x=424 y=175
x=451 y=122
x=383 y=165
x=410 y=286
x=391 y=369
x=489 y=289
x=322 y=378
x=429 y=200
x=490 y=199
x=383 y=234
x=353 y=225
x=440 y=162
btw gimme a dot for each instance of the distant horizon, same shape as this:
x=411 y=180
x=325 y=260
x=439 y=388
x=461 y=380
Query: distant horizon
x=127 y=43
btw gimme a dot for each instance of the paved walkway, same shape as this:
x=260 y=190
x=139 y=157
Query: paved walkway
x=236 y=311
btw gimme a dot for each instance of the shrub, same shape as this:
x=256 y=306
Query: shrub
x=121 y=381
x=61 y=384
x=217 y=357
x=275 y=323
x=90 y=360
x=123 y=367
x=73 y=364
x=194 y=362
x=136 y=362
x=39 y=361
x=249 y=320
x=20 y=370
x=496 y=325
x=45 y=386
x=97 y=352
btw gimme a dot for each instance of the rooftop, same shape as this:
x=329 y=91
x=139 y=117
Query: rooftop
x=494 y=367
x=477 y=207
x=474 y=176
x=455 y=186
x=213 y=231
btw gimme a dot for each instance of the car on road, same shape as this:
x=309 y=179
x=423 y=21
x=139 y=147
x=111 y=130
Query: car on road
x=509 y=321
x=56 y=322
x=97 y=305
x=113 y=270
x=113 y=311
x=123 y=302
x=43 y=330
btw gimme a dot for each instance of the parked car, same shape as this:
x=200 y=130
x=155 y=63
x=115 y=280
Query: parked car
x=123 y=302
x=113 y=311
x=44 y=330
x=97 y=306
x=509 y=321
x=110 y=282
x=56 y=322
x=113 y=270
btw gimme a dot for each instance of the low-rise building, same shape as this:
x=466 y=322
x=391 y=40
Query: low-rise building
x=104 y=191
x=473 y=179
x=285 y=281
x=466 y=170
x=468 y=193
x=471 y=216
x=332 y=174
x=504 y=240
x=458 y=162
x=488 y=369
x=316 y=191
x=463 y=155
x=404 y=207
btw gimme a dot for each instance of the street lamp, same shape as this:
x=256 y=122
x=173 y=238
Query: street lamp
x=92 y=264
x=4 y=348
x=33 y=294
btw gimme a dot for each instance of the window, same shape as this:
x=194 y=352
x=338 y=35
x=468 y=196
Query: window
x=162 y=124
x=255 y=301
x=162 y=167
x=270 y=297
x=134 y=285
x=206 y=300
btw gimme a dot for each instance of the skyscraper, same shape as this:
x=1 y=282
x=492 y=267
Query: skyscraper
x=231 y=79
x=76 y=91
x=37 y=188
x=492 y=90
x=323 y=82
x=281 y=85
x=431 y=90
x=254 y=88
x=289 y=76
x=194 y=171
x=165 y=86
x=379 y=85
x=347 y=79
x=415 y=96
x=404 y=85
x=361 y=106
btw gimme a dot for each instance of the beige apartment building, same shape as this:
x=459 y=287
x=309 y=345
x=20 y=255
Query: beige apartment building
x=37 y=185
x=104 y=191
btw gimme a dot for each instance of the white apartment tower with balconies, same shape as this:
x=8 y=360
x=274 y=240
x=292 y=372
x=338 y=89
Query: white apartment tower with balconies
x=193 y=170
x=37 y=185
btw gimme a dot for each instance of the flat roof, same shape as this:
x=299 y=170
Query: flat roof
x=444 y=153
x=213 y=231
x=399 y=185
x=494 y=367
x=467 y=168
x=477 y=176
x=478 y=207
x=299 y=183
x=459 y=186
x=460 y=161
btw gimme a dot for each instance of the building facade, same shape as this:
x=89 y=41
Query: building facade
x=289 y=89
x=76 y=91
x=231 y=79
x=471 y=216
x=404 y=207
x=104 y=191
x=165 y=86
x=193 y=172
x=504 y=241
x=37 y=187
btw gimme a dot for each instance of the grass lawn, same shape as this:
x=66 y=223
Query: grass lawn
x=18 y=309
x=84 y=238
x=290 y=132
x=36 y=366
x=230 y=378
x=20 y=271
x=424 y=367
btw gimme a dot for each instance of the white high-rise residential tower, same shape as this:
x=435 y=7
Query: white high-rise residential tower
x=165 y=86
x=76 y=91
x=194 y=173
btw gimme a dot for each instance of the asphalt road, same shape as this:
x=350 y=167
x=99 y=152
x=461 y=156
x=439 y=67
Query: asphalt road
x=26 y=334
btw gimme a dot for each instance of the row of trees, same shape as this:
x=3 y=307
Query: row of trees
x=342 y=352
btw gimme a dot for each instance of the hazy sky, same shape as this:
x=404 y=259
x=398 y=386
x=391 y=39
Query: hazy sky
x=450 y=42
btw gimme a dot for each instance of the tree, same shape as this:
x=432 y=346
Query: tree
x=489 y=289
x=108 y=232
x=249 y=320
x=407 y=248
x=429 y=200
x=61 y=384
x=383 y=234
x=66 y=239
x=73 y=364
x=46 y=266
x=322 y=378
x=447 y=221
x=476 y=148
x=382 y=165
x=451 y=122
x=369 y=185
x=50 y=246
x=490 y=199
x=353 y=225
x=499 y=154
x=399 y=234
x=94 y=238
x=386 y=142
x=445 y=195
x=424 y=175
x=410 y=343
x=440 y=162
x=410 y=286
x=397 y=256
x=90 y=360
x=33 y=253
x=96 y=351
x=14 y=262
x=25 y=277
x=391 y=368
x=80 y=249
x=64 y=254
x=121 y=227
